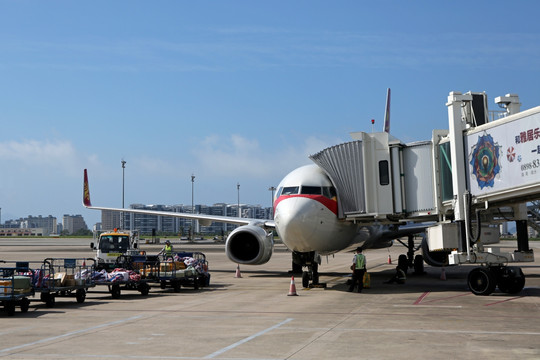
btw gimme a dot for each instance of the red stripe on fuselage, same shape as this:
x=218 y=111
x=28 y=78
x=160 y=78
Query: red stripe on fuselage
x=330 y=204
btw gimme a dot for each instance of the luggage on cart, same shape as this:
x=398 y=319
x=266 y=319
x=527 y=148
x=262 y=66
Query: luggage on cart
x=15 y=286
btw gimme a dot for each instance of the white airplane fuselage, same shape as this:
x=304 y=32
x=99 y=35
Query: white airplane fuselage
x=305 y=213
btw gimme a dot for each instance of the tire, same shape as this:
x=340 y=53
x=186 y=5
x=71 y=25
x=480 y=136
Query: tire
x=144 y=288
x=25 y=305
x=176 y=285
x=9 y=306
x=419 y=264
x=403 y=262
x=305 y=279
x=481 y=281
x=115 y=291
x=511 y=280
x=80 y=295
x=49 y=299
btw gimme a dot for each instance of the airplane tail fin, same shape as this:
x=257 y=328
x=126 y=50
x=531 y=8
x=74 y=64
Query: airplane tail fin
x=387 y=112
x=86 y=191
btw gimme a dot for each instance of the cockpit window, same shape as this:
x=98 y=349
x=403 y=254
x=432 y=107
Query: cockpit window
x=290 y=190
x=311 y=190
x=329 y=192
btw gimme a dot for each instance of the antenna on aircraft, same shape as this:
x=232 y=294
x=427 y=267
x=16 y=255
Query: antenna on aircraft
x=387 y=112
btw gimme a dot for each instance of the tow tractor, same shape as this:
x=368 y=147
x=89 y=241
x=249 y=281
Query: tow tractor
x=109 y=245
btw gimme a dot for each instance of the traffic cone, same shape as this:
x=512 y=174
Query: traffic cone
x=443 y=274
x=292 y=289
x=389 y=259
x=238 y=275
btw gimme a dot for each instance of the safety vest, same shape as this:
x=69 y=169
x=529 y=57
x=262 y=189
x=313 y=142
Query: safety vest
x=360 y=261
x=168 y=250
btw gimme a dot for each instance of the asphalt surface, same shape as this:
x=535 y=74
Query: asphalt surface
x=253 y=317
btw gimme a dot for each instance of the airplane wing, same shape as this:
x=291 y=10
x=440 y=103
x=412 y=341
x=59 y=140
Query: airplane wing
x=204 y=219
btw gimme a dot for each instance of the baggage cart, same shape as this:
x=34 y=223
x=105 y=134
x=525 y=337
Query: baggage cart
x=184 y=269
x=15 y=286
x=64 y=277
x=125 y=275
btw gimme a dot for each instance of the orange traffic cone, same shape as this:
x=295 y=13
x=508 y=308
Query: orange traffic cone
x=443 y=274
x=238 y=275
x=292 y=289
x=389 y=259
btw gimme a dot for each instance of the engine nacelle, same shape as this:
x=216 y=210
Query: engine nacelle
x=250 y=245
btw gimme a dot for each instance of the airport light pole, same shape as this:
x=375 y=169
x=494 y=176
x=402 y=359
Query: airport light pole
x=272 y=189
x=123 y=181
x=238 y=190
x=192 y=205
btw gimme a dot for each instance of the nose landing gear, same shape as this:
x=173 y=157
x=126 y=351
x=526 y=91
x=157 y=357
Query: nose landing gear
x=311 y=260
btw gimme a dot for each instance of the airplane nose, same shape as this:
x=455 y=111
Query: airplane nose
x=296 y=222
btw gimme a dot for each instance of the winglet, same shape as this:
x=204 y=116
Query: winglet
x=86 y=191
x=387 y=112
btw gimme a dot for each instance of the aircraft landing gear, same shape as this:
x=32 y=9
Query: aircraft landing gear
x=483 y=280
x=311 y=260
x=410 y=260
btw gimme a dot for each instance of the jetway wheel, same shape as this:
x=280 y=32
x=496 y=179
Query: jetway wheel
x=511 y=279
x=481 y=281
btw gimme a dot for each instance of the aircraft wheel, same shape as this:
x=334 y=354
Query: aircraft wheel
x=511 y=280
x=403 y=262
x=305 y=279
x=481 y=281
x=419 y=264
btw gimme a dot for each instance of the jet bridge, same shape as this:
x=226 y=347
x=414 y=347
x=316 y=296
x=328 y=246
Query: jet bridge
x=460 y=179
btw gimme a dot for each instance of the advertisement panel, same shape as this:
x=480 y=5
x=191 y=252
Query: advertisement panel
x=504 y=155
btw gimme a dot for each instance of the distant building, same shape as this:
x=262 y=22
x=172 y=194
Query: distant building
x=145 y=224
x=47 y=224
x=73 y=223
x=110 y=220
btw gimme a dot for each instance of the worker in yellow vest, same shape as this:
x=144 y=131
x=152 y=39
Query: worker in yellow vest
x=167 y=250
x=359 y=269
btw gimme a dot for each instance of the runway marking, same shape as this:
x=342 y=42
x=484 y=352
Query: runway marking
x=419 y=300
x=448 y=297
x=71 y=333
x=432 y=306
x=238 y=343
x=502 y=301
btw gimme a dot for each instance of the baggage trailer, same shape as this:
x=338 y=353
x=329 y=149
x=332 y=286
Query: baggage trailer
x=15 y=286
x=186 y=269
x=64 y=277
x=126 y=275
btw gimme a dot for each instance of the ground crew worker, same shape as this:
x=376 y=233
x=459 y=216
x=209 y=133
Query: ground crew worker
x=359 y=269
x=167 y=250
x=399 y=277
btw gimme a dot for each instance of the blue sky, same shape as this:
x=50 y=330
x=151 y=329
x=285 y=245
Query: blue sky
x=231 y=91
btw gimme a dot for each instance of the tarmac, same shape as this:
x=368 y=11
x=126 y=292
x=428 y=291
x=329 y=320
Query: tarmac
x=252 y=316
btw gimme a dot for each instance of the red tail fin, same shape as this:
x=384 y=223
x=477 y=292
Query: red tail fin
x=86 y=191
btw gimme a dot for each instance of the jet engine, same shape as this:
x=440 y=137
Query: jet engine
x=250 y=245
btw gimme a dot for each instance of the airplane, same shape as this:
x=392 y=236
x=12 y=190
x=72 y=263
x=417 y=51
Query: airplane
x=306 y=220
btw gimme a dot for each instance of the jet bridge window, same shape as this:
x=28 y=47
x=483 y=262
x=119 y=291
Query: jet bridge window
x=445 y=173
x=290 y=190
x=384 y=175
x=311 y=190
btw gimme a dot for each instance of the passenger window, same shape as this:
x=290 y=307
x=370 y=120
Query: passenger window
x=290 y=190
x=311 y=190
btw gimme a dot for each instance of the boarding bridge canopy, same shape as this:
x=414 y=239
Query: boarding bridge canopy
x=344 y=164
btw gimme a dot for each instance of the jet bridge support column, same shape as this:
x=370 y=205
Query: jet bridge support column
x=459 y=182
